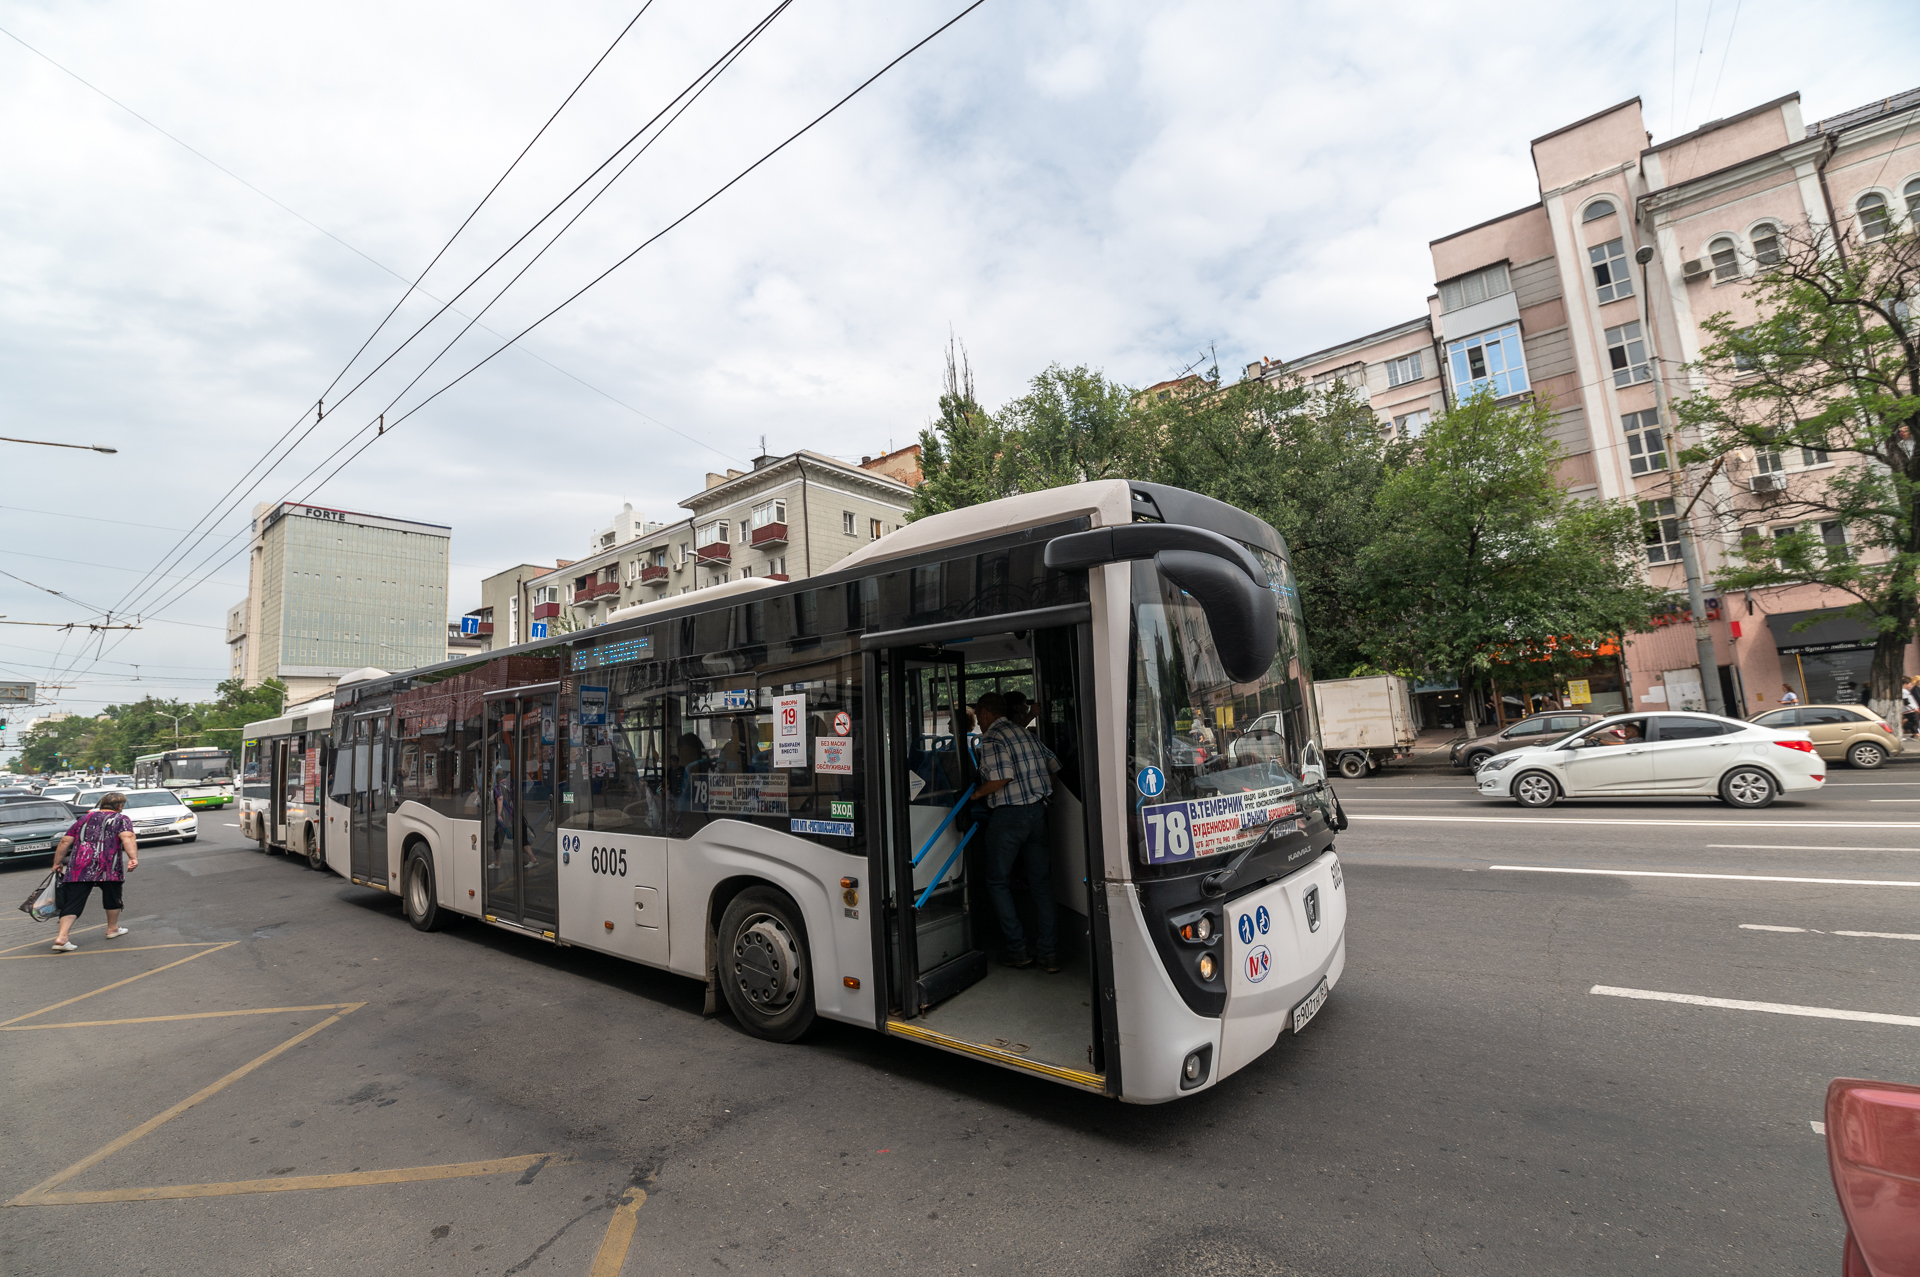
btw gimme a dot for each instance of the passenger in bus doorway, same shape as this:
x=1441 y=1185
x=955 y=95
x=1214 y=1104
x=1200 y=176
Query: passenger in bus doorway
x=1016 y=780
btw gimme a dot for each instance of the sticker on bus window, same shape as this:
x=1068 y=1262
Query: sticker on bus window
x=593 y=706
x=827 y=828
x=833 y=755
x=1207 y=826
x=790 y=731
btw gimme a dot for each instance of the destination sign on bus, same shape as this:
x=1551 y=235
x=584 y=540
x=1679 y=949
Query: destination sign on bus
x=739 y=793
x=1206 y=826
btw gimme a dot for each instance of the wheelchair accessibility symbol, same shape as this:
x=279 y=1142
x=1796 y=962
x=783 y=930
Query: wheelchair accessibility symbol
x=1262 y=919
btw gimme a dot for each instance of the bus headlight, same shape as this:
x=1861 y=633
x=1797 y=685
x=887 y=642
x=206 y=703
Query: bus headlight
x=1197 y=930
x=1196 y=1068
x=1206 y=966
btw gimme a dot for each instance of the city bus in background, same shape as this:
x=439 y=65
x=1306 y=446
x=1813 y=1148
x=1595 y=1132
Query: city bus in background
x=202 y=778
x=770 y=787
x=280 y=768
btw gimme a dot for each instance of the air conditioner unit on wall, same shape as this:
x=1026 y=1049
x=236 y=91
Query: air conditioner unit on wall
x=1694 y=268
x=1768 y=483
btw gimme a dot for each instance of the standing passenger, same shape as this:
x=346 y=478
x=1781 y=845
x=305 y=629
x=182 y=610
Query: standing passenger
x=1018 y=772
x=98 y=840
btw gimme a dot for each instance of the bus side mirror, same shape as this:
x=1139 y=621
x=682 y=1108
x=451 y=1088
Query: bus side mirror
x=1222 y=575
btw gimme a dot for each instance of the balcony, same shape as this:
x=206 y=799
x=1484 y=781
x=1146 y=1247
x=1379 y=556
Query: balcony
x=545 y=611
x=713 y=552
x=777 y=576
x=655 y=574
x=769 y=534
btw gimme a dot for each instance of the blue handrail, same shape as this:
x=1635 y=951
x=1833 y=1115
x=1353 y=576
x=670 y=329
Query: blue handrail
x=943 y=868
x=935 y=835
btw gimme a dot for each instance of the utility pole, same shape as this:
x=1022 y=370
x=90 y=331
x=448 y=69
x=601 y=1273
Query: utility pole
x=1689 y=541
x=48 y=443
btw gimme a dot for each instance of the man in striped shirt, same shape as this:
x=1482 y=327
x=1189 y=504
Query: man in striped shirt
x=1016 y=779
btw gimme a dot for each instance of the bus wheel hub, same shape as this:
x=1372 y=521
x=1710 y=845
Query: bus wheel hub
x=764 y=963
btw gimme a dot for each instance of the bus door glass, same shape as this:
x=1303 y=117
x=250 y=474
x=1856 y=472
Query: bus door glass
x=360 y=743
x=524 y=762
x=368 y=847
x=930 y=771
x=280 y=762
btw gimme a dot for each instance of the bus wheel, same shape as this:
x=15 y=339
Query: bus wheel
x=764 y=969
x=422 y=902
x=314 y=859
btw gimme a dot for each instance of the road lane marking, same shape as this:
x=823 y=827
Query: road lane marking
x=1880 y=935
x=1662 y=824
x=1772 y=1008
x=297 y=1183
x=35 y=944
x=94 y=953
x=1819 y=1128
x=1767 y=846
x=152 y=1124
x=161 y=1019
x=118 y=983
x=1761 y=926
x=1658 y=873
x=612 y=1255
x=1894 y=800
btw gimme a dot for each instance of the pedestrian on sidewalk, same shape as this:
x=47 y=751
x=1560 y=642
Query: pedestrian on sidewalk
x=1910 y=707
x=98 y=840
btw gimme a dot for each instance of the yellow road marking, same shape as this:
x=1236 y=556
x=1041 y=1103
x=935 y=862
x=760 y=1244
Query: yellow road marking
x=154 y=1123
x=157 y=1019
x=77 y=931
x=117 y=984
x=296 y=1183
x=94 y=953
x=613 y=1247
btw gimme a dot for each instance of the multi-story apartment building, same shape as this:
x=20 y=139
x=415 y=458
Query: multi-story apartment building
x=507 y=600
x=332 y=591
x=1594 y=295
x=786 y=518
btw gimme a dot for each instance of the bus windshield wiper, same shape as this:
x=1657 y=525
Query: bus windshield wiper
x=1216 y=882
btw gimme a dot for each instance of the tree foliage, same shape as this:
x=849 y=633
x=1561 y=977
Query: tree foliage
x=113 y=739
x=1482 y=560
x=1833 y=364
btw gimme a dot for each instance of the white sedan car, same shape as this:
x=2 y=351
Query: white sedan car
x=1651 y=755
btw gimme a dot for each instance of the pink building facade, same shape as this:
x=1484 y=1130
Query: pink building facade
x=1550 y=300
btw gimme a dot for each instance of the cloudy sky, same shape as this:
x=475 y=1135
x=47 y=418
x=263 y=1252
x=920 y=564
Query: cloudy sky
x=1124 y=185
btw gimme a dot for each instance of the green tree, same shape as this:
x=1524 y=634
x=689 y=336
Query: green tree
x=1311 y=463
x=1481 y=559
x=1073 y=425
x=960 y=450
x=1832 y=364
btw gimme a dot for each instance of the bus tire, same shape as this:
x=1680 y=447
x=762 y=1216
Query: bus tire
x=418 y=896
x=764 y=968
x=315 y=860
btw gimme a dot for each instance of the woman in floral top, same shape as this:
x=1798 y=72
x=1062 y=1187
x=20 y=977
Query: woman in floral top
x=98 y=840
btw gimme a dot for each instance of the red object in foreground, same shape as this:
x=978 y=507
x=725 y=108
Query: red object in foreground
x=1804 y=746
x=1873 y=1150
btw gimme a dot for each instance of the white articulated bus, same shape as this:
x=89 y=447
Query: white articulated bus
x=768 y=786
x=280 y=776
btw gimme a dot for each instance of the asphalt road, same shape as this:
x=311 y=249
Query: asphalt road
x=1464 y=1104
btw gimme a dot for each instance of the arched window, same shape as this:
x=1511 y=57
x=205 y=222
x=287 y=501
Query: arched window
x=1726 y=264
x=1874 y=221
x=1913 y=200
x=1766 y=243
x=1597 y=210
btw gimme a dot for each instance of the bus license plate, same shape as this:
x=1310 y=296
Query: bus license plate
x=1310 y=1005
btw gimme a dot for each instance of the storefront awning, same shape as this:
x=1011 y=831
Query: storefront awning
x=1835 y=634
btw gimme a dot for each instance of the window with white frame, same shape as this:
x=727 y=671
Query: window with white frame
x=709 y=533
x=1874 y=219
x=846 y=522
x=1611 y=279
x=1911 y=193
x=1646 y=441
x=1627 y=354
x=1765 y=239
x=744 y=532
x=873 y=529
x=1833 y=535
x=1597 y=210
x=1411 y=425
x=777 y=567
x=1662 y=524
x=769 y=512
x=1473 y=288
x=1768 y=460
x=1491 y=360
x=1813 y=456
x=1726 y=259
x=1405 y=369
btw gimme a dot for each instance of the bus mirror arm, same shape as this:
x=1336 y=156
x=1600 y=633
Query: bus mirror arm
x=1222 y=575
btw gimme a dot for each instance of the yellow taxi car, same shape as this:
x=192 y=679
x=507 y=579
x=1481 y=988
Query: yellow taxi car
x=1851 y=732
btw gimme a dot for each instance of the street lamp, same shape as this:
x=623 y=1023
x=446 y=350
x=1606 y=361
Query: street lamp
x=47 y=443
x=1704 y=654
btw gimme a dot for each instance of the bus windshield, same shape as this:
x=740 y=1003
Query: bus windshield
x=1251 y=744
x=198 y=771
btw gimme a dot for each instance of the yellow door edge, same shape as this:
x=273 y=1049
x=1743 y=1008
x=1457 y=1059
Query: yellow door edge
x=1094 y=1082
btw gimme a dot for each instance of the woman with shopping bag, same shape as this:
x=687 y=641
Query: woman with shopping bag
x=98 y=841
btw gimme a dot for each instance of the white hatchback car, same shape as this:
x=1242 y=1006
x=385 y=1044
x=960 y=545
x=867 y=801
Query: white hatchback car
x=1652 y=755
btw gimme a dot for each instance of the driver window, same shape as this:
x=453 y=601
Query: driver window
x=1628 y=731
x=1530 y=727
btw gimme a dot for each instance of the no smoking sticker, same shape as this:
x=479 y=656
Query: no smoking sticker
x=843 y=724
